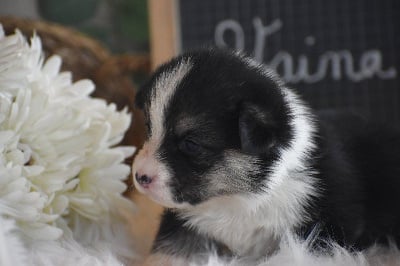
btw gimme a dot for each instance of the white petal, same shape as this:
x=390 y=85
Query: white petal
x=52 y=66
x=82 y=87
x=5 y=136
x=33 y=170
x=60 y=204
x=42 y=231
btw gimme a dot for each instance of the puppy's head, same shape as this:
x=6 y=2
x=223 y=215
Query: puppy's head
x=217 y=126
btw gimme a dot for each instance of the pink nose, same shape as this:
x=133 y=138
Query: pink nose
x=143 y=180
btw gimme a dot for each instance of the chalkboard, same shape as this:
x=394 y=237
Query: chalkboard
x=340 y=54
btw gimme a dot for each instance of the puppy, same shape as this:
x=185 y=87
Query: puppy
x=239 y=159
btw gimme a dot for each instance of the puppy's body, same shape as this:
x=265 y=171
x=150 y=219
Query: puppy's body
x=239 y=160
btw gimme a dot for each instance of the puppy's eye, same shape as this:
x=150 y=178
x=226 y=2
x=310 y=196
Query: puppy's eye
x=190 y=147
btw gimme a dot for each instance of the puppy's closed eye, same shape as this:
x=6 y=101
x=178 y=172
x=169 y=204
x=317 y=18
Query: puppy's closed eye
x=190 y=147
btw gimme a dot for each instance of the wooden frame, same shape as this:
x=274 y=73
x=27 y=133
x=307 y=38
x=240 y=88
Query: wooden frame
x=164 y=33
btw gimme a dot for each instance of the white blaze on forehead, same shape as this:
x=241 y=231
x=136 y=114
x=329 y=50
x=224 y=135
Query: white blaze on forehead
x=165 y=87
x=147 y=161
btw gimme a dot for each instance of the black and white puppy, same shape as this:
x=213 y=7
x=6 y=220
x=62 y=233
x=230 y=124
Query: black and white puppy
x=239 y=159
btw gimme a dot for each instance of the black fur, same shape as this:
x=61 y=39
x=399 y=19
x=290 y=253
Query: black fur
x=359 y=172
x=240 y=108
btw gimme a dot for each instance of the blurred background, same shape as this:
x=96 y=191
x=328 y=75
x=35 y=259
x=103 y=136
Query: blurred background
x=121 y=25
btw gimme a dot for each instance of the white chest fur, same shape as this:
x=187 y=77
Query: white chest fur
x=250 y=225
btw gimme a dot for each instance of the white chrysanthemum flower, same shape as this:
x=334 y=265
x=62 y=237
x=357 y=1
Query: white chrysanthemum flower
x=57 y=144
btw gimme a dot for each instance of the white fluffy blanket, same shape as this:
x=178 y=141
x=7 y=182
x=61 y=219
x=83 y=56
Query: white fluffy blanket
x=293 y=251
x=16 y=250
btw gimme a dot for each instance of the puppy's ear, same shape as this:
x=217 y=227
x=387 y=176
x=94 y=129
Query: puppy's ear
x=256 y=129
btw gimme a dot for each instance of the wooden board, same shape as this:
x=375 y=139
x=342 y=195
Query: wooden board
x=163 y=16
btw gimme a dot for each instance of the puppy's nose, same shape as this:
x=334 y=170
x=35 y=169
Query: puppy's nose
x=143 y=180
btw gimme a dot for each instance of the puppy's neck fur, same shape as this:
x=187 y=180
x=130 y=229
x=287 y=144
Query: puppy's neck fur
x=249 y=224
